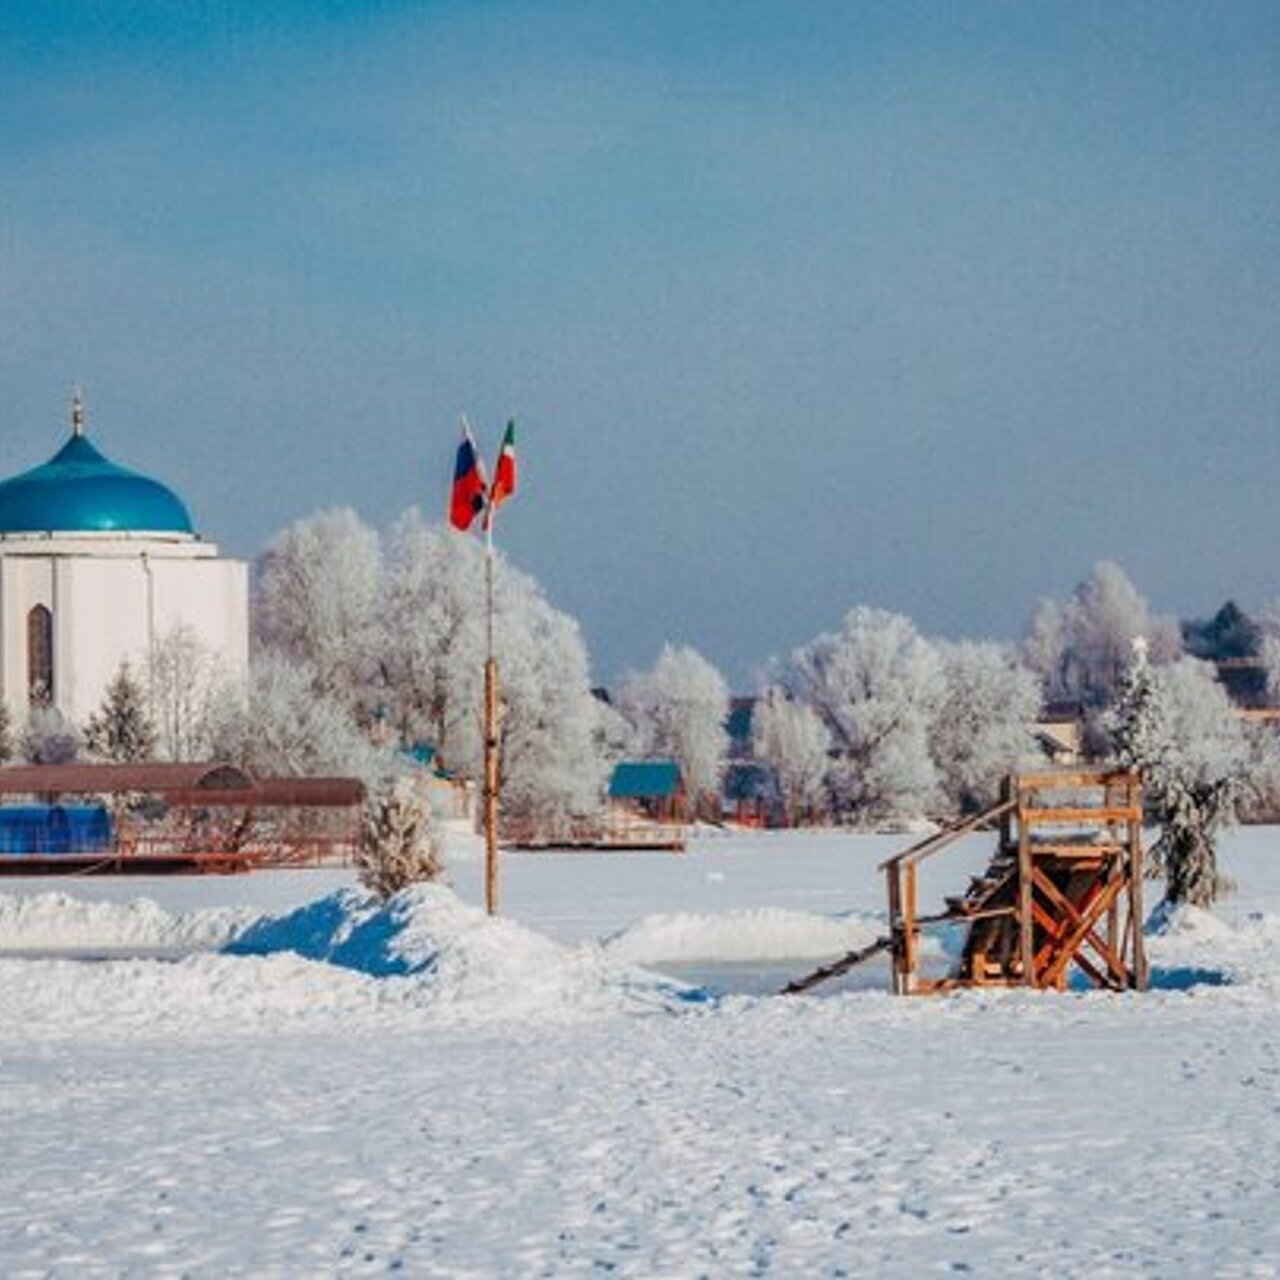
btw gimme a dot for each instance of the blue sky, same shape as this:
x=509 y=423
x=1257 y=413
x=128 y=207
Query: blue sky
x=798 y=305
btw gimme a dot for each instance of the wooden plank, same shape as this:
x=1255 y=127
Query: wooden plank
x=1139 y=967
x=893 y=875
x=1075 y=814
x=909 y=939
x=1026 y=924
x=939 y=840
x=1084 y=928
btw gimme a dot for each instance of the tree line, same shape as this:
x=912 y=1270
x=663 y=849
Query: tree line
x=365 y=646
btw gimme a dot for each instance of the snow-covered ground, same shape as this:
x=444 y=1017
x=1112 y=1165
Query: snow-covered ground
x=354 y=1091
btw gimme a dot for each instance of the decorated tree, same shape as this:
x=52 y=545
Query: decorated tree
x=6 y=733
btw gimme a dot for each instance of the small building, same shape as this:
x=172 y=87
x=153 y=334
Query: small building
x=649 y=788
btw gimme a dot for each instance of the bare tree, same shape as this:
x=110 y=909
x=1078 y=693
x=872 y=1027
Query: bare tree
x=182 y=678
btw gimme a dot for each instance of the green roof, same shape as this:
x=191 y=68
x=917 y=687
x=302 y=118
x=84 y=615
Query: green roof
x=645 y=780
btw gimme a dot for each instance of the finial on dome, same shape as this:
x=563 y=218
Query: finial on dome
x=77 y=412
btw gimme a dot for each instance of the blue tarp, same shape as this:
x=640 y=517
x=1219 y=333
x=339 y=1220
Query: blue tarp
x=54 y=828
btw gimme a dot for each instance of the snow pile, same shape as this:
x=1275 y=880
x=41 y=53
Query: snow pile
x=63 y=999
x=457 y=960
x=742 y=937
x=1188 y=945
x=59 y=922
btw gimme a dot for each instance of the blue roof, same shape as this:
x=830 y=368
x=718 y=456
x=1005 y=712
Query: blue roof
x=80 y=491
x=644 y=780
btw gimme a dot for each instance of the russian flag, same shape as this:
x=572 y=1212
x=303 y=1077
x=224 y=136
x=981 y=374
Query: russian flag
x=469 y=484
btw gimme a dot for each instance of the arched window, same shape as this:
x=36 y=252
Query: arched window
x=40 y=656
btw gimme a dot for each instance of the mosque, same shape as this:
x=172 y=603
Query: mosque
x=97 y=564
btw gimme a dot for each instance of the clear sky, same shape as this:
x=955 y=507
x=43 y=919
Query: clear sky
x=798 y=305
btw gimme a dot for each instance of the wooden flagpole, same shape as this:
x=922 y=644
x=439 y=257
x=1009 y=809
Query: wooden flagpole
x=490 y=734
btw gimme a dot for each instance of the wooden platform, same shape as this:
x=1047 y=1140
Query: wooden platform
x=1062 y=893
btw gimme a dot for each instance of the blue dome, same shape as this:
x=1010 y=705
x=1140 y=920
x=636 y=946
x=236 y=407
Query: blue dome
x=79 y=491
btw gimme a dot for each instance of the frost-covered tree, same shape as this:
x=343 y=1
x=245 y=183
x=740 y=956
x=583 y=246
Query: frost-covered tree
x=679 y=710
x=400 y=844
x=318 y=600
x=48 y=737
x=792 y=740
x=982 y=728
x=182 y=680
x=877 y=684
x=278 y=725
x=6 y=733
x=121 y=729
x=1175 y=724
x=551 y=766
x=433 y=651
x=433 y=643
x=1080 y=649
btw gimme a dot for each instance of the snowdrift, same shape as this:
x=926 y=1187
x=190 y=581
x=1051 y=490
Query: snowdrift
x=442 y=953
x=764 y=934
x=57 y=922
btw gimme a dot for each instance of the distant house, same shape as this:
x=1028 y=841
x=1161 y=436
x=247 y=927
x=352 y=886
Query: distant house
x=648 y=788
x=1059 y=732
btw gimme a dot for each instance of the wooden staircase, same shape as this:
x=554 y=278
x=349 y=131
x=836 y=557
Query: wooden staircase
x=1062 y=891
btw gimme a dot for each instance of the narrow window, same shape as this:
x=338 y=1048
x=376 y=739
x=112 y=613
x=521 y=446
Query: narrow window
x=40 y=656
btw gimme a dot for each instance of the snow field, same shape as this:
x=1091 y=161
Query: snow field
x=273 y=1115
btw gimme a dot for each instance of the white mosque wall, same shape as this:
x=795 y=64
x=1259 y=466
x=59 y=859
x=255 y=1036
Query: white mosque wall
x=112 y=603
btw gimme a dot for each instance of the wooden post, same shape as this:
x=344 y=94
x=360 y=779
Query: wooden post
x=1136 y=871
x=895 y=928
x=491 y=786
x=490 y=738
x=1026 y=922
x=909 y=957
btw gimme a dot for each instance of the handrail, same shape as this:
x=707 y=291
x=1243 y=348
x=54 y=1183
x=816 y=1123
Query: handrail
x=939 y=840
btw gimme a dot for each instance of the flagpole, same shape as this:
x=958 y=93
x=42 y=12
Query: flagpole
x=490 y=733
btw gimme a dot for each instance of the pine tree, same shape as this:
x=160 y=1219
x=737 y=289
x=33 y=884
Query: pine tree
x=399 y=841
x=121 y=730
x=1137 y=719
x=1176 y=727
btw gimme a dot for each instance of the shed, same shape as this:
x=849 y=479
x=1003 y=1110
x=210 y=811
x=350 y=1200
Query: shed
x=652 y=787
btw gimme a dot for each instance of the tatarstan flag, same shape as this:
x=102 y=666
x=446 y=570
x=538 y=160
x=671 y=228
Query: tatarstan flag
x=504 y=475
x=469 y=484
